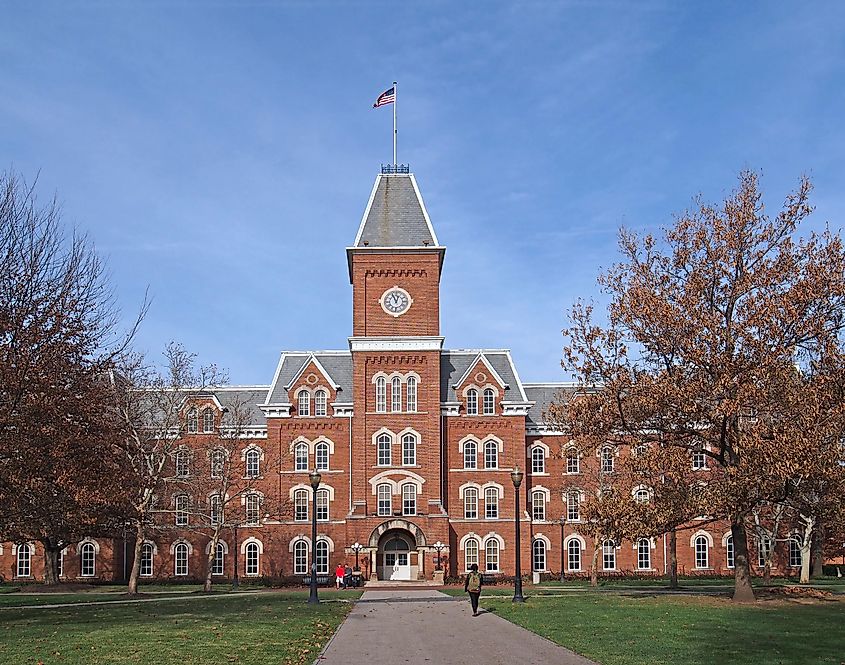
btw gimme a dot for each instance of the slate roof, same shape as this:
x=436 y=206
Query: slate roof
x=454 y=364
x=247 y=398
x=543 y=395
x=338 y=365
x=395 y=215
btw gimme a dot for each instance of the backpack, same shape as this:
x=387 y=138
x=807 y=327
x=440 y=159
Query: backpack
x=474 y=582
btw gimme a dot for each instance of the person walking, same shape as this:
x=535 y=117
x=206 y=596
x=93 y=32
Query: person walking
x=472 y=586
x=338 y=575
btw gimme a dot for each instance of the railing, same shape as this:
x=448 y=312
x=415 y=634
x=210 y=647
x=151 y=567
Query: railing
x=395 y=168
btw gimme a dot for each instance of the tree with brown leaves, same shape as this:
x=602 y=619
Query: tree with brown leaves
x=722 y=338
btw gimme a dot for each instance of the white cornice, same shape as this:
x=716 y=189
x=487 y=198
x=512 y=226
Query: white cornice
x=280 y=410
x=516 y=408
x=450 y=408
x=395 y=343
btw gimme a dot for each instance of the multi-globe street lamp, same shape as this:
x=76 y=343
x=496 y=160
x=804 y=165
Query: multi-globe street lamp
x=439 y=547
x=516 y=478
x=314 y=478
x=357 y=547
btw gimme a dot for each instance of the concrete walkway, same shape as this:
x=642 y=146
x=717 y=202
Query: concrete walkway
x=426 y=626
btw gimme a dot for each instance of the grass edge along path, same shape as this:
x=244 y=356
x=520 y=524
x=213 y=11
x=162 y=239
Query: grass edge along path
x=248 y=629
x=663 y=630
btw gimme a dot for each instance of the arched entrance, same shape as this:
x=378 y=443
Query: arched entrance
x=398 y=549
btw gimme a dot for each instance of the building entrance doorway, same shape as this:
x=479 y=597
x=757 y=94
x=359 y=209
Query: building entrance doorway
x=395 y=558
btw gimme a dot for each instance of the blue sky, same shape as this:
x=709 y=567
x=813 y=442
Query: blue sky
x=222 y=153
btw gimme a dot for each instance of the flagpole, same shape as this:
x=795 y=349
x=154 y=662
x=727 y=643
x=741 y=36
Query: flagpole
x=395 y=102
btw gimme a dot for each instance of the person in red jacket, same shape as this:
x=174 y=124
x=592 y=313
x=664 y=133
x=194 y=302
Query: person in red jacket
x=338 y=575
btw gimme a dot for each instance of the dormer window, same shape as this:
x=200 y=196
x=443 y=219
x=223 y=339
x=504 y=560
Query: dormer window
x=191 y=421
x=472 y=402
x=208 y=420
x=489 y=402
x=320 y=403
x=303 y=403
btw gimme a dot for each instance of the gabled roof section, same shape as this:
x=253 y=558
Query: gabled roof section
x=336 y=366
x=482 y=359
x=395 y=215
x=544 y=395
x=456 y=364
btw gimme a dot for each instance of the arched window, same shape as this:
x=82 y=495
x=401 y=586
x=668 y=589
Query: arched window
x=607 y=461
x=180 y=509
x=573 y=555
x=573 y=506
x=385 y=496
x=538 y=460
x=87 y=559
x=409 y=499
x=538 y=550
x=491 y=555
x=303 y=403
x=251 y=552
x=409 y=449
x=794 y=553
x=396 y=394
x=322 y=557
x=146 y=565
x=729 y=551
x=191 y=421
x=208 y=420
x=24 y=560
x=215 y=502
x=573 y=462
x=764 y=548
x=491 y=455
x=300 y=557
x=702 y=558
x=383 y=443
x=491 y=503
x=320 y=403
x=470 y=552
x=470 y=503
x=322 y=505
x=218 y=462
x=643 y=554
x=489 y=402
x=470 y=455
x=472 y=402
x=218 y=565
x=411 y=397
x=538 y=506
x=608 y=555
x=180 y=559
x=641 y=495
x=183 y=467
x=253 y=463
x=301 y=456
x=381 y=394
x=253 y=508
x=321 y=455
x=300 y=505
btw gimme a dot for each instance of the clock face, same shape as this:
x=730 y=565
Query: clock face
x=396 y=301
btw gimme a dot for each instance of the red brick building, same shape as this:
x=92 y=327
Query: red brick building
x=415 y=444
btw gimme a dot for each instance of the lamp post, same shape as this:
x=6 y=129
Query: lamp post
x=516 y=477
x=314 y=477
x=439 y=547
x=357 y=547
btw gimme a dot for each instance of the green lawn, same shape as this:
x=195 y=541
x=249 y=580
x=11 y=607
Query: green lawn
x=624 y=630
x=264 y=627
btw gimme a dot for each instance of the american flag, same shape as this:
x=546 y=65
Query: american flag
x=385 y=98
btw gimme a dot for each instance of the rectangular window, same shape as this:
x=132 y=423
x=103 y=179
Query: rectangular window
x=182 y=466
x=301 y=457
x=764 y=547
x=218 y=459
x=491 y=503
x=323 y=506
x=470 y=504
x=181 y=510
x=794 y=553
x=471 y=552
x=300 y=503
x=538 y=506
x=643 y=554
x=381 y=395
x=146 y=567
x=409 y=450
x=489 y=402
x=253 y=509
x=411 y=397
x=729 y=551
x=492 y=555
x=573 y=463
x=472 y=402
x=217 y=564
x=320 y=402
x=409 y=499
x=607 y=460
x=383 y=442
x=699 y=461
x=573 y=507
x=396 y=395
x=384 y=500
x=216 y=512
x=573 y=555
x=608 y=551
x=321 y=456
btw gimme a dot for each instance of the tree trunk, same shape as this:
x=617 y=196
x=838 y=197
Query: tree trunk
x=673 y=559
x=51 y=561
x=594 y=574
x=209 y=562
x=767 y=571
x=817 y=560
x=806 y=547
x=743 y=591
x=136 y=561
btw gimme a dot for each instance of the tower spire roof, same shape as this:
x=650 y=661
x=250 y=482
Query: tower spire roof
x=395 y=215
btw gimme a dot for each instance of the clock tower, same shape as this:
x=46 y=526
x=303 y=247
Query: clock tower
x=394 y=267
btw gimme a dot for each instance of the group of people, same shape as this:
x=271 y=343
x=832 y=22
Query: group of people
x=343 y=576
